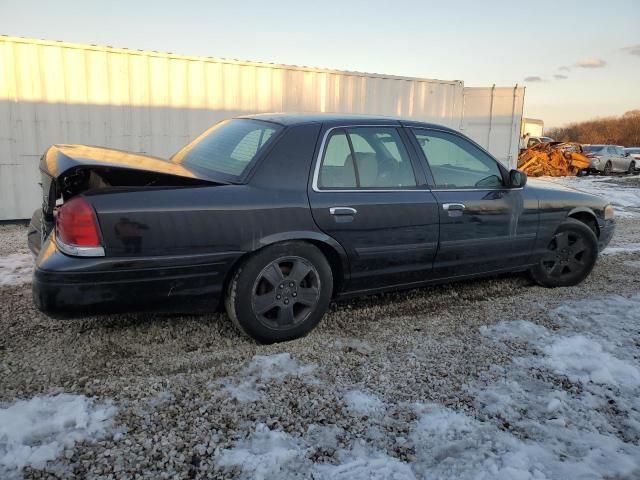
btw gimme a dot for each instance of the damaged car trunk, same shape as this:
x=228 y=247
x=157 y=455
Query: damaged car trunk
x=70 y=170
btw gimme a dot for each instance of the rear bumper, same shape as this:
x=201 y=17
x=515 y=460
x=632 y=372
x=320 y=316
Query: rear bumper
x=186 y=283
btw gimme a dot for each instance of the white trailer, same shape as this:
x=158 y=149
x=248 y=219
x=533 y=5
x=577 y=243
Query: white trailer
x=533 y=127
x=142 y=101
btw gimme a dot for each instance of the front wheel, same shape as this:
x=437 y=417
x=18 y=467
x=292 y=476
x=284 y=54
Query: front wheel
x=281 y=292
x=607 y=168
x=632 y=167
x=570 y=256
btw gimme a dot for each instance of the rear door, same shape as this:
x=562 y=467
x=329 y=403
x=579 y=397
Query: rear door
x=484 y=225
x=612 y=156
x=368 y=193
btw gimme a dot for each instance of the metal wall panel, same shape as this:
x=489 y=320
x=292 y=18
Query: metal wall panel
x=492 y=116
x=55 y=92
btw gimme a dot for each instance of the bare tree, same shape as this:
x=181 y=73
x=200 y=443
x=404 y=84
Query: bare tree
x=624 y=130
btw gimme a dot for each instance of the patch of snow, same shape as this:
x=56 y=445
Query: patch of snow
x=246 y=386
x=16 y=269
x=160 y=399
x=363 y=403
x=568 y=407
x=576 y=398
x=267 y=454
x=633 y=263
x=584 y=360
x=35 y=431
x=364 y=463
x=621 y=249
x=625 y=199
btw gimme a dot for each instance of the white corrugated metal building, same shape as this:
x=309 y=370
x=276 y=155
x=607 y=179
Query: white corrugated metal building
x=56 y=92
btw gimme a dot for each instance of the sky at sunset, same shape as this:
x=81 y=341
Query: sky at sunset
x=578 y=60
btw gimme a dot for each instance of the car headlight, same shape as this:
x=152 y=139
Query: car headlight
x=609 y=213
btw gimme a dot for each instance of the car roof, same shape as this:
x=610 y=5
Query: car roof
x=287 y=119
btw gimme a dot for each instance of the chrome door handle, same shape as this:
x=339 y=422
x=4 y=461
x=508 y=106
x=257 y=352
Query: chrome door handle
x=342 y=211
x=453 y=206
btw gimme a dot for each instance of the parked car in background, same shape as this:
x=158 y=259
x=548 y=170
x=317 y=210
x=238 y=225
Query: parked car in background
x=536 y=140
x=275 y=215
x=634 y=152
x=608 y=159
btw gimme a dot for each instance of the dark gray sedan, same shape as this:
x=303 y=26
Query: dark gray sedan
x=275 y=215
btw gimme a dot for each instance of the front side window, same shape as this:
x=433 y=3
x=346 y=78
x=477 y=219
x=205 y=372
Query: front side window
x=226 y=150
x=366 y=157
x=456 y=162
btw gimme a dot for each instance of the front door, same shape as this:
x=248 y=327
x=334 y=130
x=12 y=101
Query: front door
x=368 y=195
x=484 y=225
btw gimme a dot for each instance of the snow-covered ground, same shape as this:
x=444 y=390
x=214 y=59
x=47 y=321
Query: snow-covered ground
x=622 y=192
x=570 y=408
x=245 y=387
x=16 y=268
x=35 y=431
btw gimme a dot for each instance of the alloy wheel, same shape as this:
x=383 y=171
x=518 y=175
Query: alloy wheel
x=567 y=255
x=285 y=292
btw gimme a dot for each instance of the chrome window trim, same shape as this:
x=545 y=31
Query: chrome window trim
x=462 y=189
x=323 y=144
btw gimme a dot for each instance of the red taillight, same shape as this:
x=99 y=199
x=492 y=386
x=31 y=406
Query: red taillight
x=77 y=225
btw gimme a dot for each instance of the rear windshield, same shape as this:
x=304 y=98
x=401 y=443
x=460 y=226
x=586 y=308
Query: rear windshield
x=632 y=150
x=592 y=148
x=226 y=150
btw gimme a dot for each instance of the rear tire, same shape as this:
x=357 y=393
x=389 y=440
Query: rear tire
x=570 y=256
x=281 y=292
x=632 y=167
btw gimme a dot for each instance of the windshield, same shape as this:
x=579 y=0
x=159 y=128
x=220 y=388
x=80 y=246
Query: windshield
x=592 y=148
x=226 y=150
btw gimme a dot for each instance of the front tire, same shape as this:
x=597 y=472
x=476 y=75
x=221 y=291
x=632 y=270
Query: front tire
x=632 y=167
x=607 y=168
x=281 y=292
x=570 y=256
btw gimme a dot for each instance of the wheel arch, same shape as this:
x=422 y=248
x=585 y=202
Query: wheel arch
x=330 y=248
x=586 y=216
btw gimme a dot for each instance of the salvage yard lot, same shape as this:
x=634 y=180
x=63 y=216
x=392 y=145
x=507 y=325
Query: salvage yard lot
x=495 y=378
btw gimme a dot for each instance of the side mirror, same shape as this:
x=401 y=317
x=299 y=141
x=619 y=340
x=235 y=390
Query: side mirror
x=517 y=179
x=626 y=154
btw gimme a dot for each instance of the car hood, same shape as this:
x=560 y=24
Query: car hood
x=550 y=191
x=59 y=159
x=539 y=184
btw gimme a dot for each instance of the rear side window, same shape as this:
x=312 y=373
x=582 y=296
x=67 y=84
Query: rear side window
x=337 y=169
x=593 y=148
x=456 y=162
x=226 y=150
x=366 y=157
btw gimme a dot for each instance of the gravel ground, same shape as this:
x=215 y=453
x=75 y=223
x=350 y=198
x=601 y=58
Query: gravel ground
x=186 y=388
